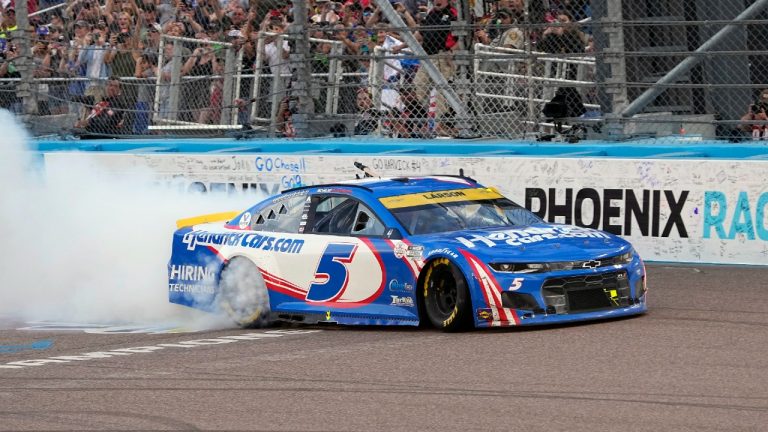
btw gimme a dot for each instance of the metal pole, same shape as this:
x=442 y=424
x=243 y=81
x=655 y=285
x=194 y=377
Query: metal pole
x=257 y=77
x=684 y=66
x=336 y=52
x=301 y=57
x=330 y=90
x=24 y=62
x=463 y=84
x=277 y=91
x=377 y=75
x=227 y=90
x=175 y=81
x=159 y=79
x=238 y=82
x=434 y=73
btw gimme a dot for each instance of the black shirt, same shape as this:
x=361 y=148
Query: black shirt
x=106 y=116
x=437 y=40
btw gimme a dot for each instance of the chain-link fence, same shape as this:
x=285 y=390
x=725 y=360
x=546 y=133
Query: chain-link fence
x=533 y=69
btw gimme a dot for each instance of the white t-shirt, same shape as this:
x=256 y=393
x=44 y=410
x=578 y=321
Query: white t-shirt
x=392 y=66
x=277 y=64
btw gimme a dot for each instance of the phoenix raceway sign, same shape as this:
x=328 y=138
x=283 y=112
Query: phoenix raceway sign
x=713 y=211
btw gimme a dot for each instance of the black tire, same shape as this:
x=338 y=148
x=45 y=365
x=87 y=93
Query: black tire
x=243 y=294
x=446 y=297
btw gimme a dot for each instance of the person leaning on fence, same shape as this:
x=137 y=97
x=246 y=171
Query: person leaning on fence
x=437 y=40
x=757 y=111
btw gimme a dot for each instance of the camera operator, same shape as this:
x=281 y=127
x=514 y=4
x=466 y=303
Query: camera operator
x=757 y=111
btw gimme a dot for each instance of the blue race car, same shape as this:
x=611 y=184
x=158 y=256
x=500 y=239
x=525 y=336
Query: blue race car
x=401 y=251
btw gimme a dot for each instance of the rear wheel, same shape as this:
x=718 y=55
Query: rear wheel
x=243 y=294
x=446 y=297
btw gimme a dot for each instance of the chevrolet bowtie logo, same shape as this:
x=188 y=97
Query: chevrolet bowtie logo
x=591 y=264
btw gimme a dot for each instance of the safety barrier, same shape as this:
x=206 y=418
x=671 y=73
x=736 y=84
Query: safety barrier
x=683 y=203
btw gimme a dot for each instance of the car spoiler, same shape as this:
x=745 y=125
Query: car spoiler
x=213 y=217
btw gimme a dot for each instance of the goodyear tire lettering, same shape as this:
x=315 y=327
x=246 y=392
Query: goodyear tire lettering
x=445 y=296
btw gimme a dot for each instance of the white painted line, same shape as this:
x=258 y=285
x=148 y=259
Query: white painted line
x=152 y=348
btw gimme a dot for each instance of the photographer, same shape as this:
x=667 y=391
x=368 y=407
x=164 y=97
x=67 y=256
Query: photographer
x=757 y=111
x=92 y=56
x=8 y=98
x=122 y=57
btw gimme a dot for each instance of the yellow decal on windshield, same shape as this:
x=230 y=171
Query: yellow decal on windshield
x=456 y=195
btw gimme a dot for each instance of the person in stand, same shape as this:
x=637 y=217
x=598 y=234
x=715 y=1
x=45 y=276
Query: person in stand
x=757 y=111
x=106 y=117
x=146 y=71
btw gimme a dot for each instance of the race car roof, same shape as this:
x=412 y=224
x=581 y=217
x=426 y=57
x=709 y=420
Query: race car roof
x=382 y=187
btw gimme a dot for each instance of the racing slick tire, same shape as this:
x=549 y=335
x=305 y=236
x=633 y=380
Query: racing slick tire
x=243 y=294
x=446 y=297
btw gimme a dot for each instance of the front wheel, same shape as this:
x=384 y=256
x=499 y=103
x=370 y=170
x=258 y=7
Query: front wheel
x=446 y=297
x=243 y=294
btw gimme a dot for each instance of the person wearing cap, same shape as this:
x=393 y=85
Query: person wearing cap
x=502 y=31
x=41 y=60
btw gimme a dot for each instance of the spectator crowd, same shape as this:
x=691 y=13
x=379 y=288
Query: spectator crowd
x=107 y=58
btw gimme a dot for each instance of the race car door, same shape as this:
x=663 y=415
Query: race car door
x=345 y=250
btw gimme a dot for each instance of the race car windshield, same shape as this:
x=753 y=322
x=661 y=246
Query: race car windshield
x=461 y=215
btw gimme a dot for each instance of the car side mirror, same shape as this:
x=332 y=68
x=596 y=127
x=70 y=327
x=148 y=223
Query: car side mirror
x=393 y=233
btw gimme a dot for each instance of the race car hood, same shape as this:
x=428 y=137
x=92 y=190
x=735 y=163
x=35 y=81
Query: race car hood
x=542 y=242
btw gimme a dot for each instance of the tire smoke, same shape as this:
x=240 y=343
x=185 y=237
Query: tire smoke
x=86 y=246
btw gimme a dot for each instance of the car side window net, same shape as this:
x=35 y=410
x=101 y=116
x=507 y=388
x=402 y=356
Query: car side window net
x=345 y=216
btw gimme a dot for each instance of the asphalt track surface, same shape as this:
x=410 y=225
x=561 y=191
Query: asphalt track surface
x=696 y=362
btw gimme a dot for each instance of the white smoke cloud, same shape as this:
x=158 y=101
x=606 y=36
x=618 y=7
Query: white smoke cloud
x=91 y=247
